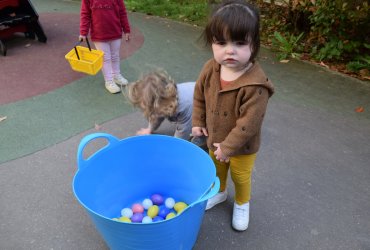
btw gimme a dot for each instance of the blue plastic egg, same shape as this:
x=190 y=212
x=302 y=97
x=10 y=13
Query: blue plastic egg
x=157 y=199
x=163 y=211
x=157 y=218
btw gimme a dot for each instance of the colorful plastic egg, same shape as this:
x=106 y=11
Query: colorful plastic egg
x=157 y=218
x=138 y=217
x=169 y=202
x=137 y=208
x=124 y=219
x=163 y=211
x=127 y=212
x=157 y=199
x=170 y=215
x=153 y=211
x=147 y=219
x=179 y=206
x=147 y=203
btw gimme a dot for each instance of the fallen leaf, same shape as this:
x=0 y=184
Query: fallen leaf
x=2 y=118
x=360 y=109
x=97 y=127
x=324 y=65
x=284 y=61
x=364 y=72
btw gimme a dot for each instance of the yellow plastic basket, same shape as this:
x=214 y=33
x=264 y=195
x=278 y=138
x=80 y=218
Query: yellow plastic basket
x=85 y=60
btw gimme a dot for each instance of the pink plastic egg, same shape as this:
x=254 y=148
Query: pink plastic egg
x=137 y=208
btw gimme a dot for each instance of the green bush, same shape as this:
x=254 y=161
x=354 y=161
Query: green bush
x=328 y=30
x=334 y=30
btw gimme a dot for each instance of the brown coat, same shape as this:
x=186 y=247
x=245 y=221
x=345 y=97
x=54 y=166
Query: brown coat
x=233 y=116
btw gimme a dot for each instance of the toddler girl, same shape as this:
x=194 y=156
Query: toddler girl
x=159 y=97
x=106 y=20
x=230 y=101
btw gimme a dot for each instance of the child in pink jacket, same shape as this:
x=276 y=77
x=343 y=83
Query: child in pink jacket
x=106 y=21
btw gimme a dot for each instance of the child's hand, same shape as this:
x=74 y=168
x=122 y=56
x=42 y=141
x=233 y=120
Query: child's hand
x=144 y=131
x=127 y=36
x=199 y=131
x=219 y=155
x=81 y=38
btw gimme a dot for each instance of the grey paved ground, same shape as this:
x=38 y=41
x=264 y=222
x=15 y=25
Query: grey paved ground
x=311 y=183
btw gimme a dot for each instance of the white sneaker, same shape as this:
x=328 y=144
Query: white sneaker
x=112 y=87
x=120 y=80
x=217 y=199
x=241 y=216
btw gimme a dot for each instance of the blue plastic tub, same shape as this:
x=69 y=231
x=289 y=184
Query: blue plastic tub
x=125 y=170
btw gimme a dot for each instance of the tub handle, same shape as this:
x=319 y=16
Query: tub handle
x=210 y=194
x=80 y=160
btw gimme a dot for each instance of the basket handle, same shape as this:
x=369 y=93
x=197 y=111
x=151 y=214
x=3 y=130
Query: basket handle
x=214 y=190
x=80 y=160
x=78 y=43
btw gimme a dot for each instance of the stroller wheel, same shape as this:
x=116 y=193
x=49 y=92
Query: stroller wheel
x=2 y=48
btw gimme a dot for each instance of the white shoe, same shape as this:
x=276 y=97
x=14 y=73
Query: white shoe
x=241 y=216
x=120 y=80
x=112 y=87
x=217 y=199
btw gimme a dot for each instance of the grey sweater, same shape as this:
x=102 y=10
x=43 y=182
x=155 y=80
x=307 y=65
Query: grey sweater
x=182 y=118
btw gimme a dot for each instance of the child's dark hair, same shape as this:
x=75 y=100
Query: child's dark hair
x=234 y=20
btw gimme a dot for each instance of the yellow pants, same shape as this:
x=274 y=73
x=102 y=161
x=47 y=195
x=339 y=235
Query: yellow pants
x=241 y=167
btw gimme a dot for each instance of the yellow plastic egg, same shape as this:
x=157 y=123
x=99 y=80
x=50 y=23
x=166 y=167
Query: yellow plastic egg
x=124 y=219
x=170 y=215
x=153 y=211
x=179 y=206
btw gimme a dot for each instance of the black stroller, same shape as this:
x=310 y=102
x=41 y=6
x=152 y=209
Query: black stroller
x=19 y=16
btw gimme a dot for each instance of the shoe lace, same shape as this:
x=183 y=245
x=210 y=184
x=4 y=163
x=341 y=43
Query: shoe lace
x=119 y=77
x=240 y=212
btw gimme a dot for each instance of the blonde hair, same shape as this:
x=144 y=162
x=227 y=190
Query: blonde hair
x=155 y=94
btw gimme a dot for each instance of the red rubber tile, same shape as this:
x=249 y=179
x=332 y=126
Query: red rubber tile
x=32 y=68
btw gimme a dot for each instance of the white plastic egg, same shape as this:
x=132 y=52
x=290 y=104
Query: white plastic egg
x=127 y=212
x=170 y=203
x=147 y=219
x=147 y=203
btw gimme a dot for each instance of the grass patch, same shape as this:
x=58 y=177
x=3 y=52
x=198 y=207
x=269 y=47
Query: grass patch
x=192 y=11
